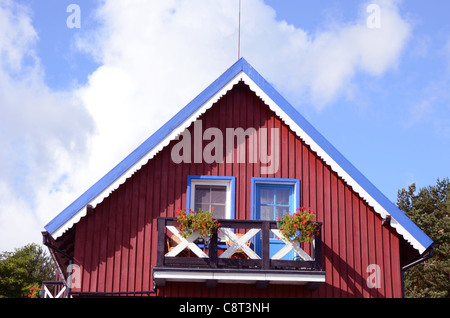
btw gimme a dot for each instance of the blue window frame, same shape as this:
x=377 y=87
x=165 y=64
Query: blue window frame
x=258 y=183
x=274 y=200
x=271 y=199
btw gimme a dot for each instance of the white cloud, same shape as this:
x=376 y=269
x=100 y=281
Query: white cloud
x=318 y=67
x=42 y=133
x=155 y=57
x=16 y=35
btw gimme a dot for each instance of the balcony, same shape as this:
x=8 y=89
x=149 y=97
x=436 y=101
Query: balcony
x=213 y=262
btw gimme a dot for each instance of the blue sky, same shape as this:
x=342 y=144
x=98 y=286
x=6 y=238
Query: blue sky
x=75 y=101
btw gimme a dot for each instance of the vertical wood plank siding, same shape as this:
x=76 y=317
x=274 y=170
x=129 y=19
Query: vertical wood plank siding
x=115 y=245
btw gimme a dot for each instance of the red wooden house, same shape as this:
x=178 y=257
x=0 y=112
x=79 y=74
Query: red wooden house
x=241 y=147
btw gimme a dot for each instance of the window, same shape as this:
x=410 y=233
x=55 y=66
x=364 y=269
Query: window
x=271 y=199
x=208 y=196
x=206 y=192
x=274 y=197
x=275 y=201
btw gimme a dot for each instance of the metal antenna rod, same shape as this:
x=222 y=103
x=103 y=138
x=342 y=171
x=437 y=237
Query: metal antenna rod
x=239 y=37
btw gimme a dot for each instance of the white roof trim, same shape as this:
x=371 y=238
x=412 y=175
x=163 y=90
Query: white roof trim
x=73 y=220
x=328 y=160
x=285 y=118
x=113 y=186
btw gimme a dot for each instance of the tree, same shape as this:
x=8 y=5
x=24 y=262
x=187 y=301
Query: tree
x=24 y=268
x=429 y=209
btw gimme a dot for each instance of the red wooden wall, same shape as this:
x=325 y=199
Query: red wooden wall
x=115 y=245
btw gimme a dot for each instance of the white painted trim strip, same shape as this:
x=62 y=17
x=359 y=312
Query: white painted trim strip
x=236 y=277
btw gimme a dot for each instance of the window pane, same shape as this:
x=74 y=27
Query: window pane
x=280 y=211
x=207 y=195
x=283 y=196
x=219 y=211
x=202 y=194
x=267 y=213
x=204 y=207
x=218 y=194
x=267 y=196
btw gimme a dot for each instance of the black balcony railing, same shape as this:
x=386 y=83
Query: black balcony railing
x=54 y=289
x=213 y=249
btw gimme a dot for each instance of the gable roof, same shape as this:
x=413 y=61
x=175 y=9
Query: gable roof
x=241 y=70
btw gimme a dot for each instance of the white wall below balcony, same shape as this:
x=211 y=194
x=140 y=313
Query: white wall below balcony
x=238 y=276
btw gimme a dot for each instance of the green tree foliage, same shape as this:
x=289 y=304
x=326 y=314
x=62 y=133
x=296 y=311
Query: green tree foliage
x=429 y=209
x=22 y=269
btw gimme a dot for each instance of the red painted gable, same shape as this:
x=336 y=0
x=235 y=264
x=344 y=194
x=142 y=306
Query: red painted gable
x=115 y=244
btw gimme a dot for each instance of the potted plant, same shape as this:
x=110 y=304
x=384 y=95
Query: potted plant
x=34 y=291
x=299 y=226
x=201 y=222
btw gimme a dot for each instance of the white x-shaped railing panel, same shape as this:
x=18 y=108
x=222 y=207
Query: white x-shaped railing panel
x=239 y=243
x=185 y=242
x=48 y=294
x=290 y=245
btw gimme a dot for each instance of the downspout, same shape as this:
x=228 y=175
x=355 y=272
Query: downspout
x=429 y=254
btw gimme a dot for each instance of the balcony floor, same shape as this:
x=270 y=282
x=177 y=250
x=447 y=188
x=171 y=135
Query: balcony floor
x=262 y=278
